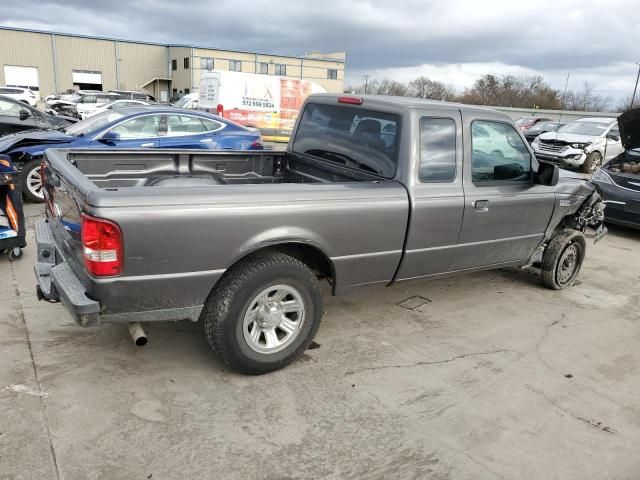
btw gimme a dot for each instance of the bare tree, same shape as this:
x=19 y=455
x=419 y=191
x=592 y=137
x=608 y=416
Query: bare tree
x=625 y=103
x=586 y=99
x=422 y=87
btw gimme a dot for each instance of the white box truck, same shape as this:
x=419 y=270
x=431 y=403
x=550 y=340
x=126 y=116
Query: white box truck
x=269 y=103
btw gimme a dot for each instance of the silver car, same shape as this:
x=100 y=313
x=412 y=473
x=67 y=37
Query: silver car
x=584 y=143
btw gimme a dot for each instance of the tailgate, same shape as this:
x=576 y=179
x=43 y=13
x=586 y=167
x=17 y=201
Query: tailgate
x=65 y=192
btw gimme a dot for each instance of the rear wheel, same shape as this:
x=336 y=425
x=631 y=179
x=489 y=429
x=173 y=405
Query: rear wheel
x=264 y=313
x=562 y=259
x=592 y=162
x=32 y=181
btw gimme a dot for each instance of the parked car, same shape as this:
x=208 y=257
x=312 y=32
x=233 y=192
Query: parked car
x=619 y=179
x=79 y=103
x=23 y=95
x=539 y=128
x=91 y=102
x=241 y=239
x=190 y=101
x=584 y=143
x=16 y=116
x=525 y=123
x=139 y=127
x=133 y=95
x=116 y=105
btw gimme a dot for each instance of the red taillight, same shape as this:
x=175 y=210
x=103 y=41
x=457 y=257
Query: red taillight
x=101 y=246
x=256 y=145
x=350 y=100
x=220 y=110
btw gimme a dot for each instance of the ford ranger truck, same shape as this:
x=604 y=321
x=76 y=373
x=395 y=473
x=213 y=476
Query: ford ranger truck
x=370 y=191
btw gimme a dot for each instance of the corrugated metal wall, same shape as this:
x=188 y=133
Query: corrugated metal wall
x=28 y=50
x=130 y=65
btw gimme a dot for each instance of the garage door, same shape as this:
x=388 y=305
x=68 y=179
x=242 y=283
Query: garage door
x=25 y=77
x=87 y=79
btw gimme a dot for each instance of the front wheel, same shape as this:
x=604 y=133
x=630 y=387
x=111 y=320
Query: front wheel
x=263 y=313
x=562 y=259
x=32 y=181
x=592 y=162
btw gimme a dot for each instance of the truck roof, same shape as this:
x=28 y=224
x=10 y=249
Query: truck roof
x=404 y=103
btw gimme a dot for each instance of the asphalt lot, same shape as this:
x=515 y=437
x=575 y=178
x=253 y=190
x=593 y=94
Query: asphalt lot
x=490 y=377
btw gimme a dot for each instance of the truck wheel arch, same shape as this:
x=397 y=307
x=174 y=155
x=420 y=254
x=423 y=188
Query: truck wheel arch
x=309 y=254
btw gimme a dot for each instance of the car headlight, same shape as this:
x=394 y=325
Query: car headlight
x=579 y=145
x=601 y=176
x=535 y=141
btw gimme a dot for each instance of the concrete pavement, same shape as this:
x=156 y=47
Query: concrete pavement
x=484 y=376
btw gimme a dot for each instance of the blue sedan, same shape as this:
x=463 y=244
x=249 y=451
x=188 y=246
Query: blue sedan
x=137 y=127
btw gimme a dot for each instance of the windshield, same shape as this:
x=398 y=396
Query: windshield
x=74 y=97
x=182 y=102
x=524 y=120
x=94 y=123
x=581 y=127
x=356 y=138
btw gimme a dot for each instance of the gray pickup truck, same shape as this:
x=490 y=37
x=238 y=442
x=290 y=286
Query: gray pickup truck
x=371 y=190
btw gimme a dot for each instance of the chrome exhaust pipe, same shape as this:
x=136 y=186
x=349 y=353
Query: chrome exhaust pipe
x=137 y=334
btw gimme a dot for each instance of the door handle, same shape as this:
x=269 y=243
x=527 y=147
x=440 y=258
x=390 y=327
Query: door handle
x=481 y=205
x=150 y=144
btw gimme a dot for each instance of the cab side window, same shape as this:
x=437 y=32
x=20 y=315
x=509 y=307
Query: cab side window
x=437 y=150
x=498 y=153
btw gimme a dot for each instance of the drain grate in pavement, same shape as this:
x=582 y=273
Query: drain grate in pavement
x=414 y=303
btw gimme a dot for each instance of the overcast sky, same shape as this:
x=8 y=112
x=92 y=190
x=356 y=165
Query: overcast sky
x=454 y=41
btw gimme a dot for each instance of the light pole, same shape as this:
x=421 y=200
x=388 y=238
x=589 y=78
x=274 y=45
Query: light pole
x=366 y=83
x=633 y=97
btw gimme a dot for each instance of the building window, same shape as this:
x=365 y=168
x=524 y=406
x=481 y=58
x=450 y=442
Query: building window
x=281 y=69
x=235 y=65
x=263 y=68
x=186 y=62
x=332 y=74
x=206 y=63
x=186 y=91
x=174 y=64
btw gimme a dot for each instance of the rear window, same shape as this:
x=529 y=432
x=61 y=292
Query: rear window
x=353 y=137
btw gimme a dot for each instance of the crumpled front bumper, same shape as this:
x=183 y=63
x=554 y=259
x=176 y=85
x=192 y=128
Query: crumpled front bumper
x=572 y=157
x=57 y=281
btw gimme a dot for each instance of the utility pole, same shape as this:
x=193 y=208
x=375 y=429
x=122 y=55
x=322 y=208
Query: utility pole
x=633 y=97
x=564 y=96
x=366 y=83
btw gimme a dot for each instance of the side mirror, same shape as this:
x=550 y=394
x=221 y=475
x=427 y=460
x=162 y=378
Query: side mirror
x=24 y=115
x=547 y=174
x=110 y=137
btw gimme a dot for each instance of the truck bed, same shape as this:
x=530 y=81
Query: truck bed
x=186 y=217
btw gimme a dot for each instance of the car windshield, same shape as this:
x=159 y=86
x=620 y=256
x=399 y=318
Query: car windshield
x=349 y=136
x=524 y=120
x=74 y=97
x=582 y=127
x=182 y=102
x=94 y=123
x=546 y=126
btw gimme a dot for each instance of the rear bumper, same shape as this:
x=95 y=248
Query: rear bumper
x=57 y=281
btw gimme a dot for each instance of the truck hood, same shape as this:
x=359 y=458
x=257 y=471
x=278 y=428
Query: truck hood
x=33 y=137
x=629 y=123
x=567 y=137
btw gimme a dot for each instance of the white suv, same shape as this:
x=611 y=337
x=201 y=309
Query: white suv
x=21 y=94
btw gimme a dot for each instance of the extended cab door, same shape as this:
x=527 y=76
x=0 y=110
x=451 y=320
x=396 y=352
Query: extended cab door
x=505 y=213
x=436 y=193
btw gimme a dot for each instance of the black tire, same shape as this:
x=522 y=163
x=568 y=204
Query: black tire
x=558 y=271
x=592 y=162
x=26 y=191
x=224 y=311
